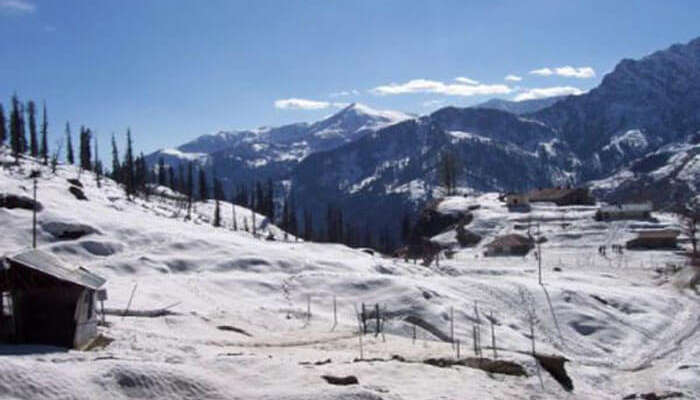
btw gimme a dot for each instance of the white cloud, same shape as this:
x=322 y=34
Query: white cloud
x=305 y=104
x=566 y=71
x=513 y=78
x=541 y=93
x=449 y=89
x=17 y=7
x=462 y=79
x=343 y=93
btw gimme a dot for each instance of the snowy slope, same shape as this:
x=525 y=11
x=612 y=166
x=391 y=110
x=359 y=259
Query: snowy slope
x=645 y=338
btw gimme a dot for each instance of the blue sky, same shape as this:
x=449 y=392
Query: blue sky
x=173 y=70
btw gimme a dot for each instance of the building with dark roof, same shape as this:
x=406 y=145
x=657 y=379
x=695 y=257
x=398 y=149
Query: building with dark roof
x=45 y=302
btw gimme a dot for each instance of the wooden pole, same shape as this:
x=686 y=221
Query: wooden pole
x=364 y=319
x=457 y=349
x=34 y=218
x=539 y=254
x=128 y=305
x=414 y=333
x=452 y=326
x=335 y=314
x=377 y=327
x=532 y=335
x=493 y=338
x=308 y=307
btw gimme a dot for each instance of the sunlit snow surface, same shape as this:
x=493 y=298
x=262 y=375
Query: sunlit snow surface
x=644 y=336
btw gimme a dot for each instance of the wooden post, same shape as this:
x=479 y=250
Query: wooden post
x=130 y=299
x=335 y=314
x=476 y=350
x=532 y=335
x=359 y=331
x=414 y=333
x=308 y=307
x=493 y=338
x=457 y=349
x=34 y=218
x=452 y=326
x=539 y=254
x=377 y=327
x=364 y=320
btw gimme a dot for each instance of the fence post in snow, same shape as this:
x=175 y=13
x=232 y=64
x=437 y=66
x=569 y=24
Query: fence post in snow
x=335 y=314
x=414 y=334
x=308 y=307
x=452 y=326
x=493 y=339
x=457 y=349
x=377 y=327
x=364 y=319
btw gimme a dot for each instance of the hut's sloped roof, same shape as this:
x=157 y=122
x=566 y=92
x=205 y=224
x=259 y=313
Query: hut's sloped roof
x=628 y=207
x=50 y=265
x=510 y=240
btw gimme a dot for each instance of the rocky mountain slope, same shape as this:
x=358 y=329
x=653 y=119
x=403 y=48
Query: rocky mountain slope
x=379 y=165
x=519 y=107
x=243 y=157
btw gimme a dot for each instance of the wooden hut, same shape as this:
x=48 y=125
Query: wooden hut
x=45 y=302
x=563 y=196
x=517 y=202
x=654 y=239
x=509 y=245
x=624 y=211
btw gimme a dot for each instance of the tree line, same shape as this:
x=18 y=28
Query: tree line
x=26 y=137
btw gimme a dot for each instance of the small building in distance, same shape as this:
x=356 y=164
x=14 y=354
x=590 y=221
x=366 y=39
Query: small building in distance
x=563 y=196
x=518 y=202
x=654 y=239
x=509 y=245
x=45 y=302
x=624 y=211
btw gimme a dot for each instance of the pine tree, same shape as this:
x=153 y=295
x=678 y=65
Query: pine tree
x=259 y=201
x=285 y=218
x=270 y=201
x=85 y=149
x=116 y=165
x=217 y=207
x=308 y=225
x=70 y=157
x=161 y=171
x=98 y=166
x=233 y=211
x=203 y=189
x=22 y=130
x=292 y=218
x=44 y=149
x=3 y=124
x=33 y=142
x=405 y=229
x=189 y=189
x=448 y=171
x=128 y=168
x=15 y=128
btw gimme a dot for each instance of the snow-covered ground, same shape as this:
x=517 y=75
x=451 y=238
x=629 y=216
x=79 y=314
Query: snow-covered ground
x=624 y=327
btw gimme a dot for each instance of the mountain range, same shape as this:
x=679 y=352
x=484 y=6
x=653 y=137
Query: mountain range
x=635 y=136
